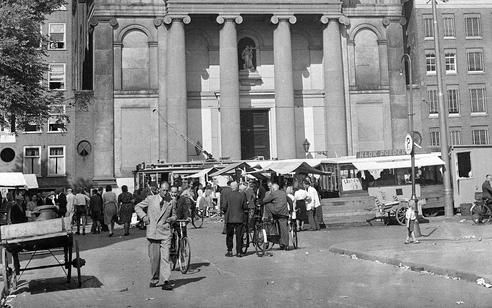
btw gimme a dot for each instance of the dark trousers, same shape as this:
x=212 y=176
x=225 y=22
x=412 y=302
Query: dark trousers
x=284 y=231
x=231 y=228
x=318 y=216
x=81 y=213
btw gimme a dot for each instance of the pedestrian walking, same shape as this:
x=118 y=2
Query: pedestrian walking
x=96 y=212
x=61 y=200
x=70 y=208
x=223 y=196
x=300 y=197
x=81 y=202
x=125 y=208
x=311 y=205
x=160 y=214
x=411 y=217
x=110 y=209
x=234 y=207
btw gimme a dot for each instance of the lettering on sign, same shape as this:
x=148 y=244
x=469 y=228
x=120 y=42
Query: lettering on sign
x=380 y=153
x=351 y=184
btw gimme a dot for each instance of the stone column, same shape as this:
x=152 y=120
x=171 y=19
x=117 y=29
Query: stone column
x=334 y=101
x=397 y=88
x=117 y=66
x=383 y=62
x=284 y=86
x=104 y=101
x=162 y=81
x=229 y=88
x=153 y=66
x=177 y=111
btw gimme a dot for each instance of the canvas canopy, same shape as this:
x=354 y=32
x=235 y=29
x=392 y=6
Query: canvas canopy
x=201 y=173
x=289 y=167
x=31 y=181
x=231 y=169
x=12 y=179
x=395 y=162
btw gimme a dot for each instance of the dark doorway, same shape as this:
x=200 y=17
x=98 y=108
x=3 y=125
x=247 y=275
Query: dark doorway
x=255 y=140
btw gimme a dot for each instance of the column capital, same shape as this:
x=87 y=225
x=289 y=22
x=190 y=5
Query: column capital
x=342 y=19
x=238 y=19
x=112 y=21
x=168 y=19
x=276 y=19
x=158 y=22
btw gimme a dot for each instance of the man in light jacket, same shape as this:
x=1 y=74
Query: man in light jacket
x=311 y=205
x=161 y=213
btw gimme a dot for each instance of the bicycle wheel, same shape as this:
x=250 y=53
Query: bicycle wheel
x=197 y=218
x=173 y=252
x=295 y=240
x=259 y=240
x=245 y=240
x=477 y=212
x=184 y=255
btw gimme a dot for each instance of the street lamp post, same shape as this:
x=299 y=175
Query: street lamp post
x=443 y=115
x=406 y=57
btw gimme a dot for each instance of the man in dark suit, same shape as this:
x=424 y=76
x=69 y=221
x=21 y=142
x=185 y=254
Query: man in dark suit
x=234 y=207
x=61 y=200
x=223 y=196
x=487 y=189
x=276 y=206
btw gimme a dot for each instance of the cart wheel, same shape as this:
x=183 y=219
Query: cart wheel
x=400 y=215
x=6 y=272
x=77 y=255
x=68 y=262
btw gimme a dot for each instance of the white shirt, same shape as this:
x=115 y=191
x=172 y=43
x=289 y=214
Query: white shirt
x=70 y=200
x=300 y=194
x=410 y=214
x=313 y=201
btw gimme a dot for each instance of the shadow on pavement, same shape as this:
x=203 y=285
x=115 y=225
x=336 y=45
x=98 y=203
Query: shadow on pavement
x=181 y=282
x=195 y=267
x=94 y=241
x=55 y=284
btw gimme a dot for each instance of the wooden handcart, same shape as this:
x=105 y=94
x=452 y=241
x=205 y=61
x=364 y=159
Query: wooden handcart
x=37 y=238
x=386 y=210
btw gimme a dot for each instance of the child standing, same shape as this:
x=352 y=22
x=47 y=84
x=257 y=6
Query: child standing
x=410 y=221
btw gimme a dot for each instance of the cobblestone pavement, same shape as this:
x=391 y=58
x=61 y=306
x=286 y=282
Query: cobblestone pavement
x=117 y=275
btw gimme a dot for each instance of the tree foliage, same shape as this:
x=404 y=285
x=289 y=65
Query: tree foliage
x=24 y=94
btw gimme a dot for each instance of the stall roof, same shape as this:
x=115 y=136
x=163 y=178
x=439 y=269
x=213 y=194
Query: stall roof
x=201 y=173
x=263 y=164
x=286 y=167
x=394 y=162
x=231 y=169
x=31 y=181
x=12 y=179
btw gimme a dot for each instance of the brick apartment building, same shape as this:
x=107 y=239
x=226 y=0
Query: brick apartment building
x=466 y=59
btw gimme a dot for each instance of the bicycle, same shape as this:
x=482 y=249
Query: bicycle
x=180 y=252
x=481 y=212
x=197 y=216
x=293 y=233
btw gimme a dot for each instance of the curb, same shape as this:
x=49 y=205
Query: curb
x=415 y=267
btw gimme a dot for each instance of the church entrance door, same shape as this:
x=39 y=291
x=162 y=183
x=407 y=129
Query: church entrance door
x=255 y=140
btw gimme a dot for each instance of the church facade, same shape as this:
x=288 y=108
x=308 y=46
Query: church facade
x=237 y=79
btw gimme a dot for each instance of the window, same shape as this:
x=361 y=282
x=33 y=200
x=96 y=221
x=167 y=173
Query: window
x=430 y=62
x=450 y=57
x=428 y=27
x=475 y=60
x=472 y=26
x=455 y=134
x=56 y=121
x=464 y=164
x=480 y=135
x=56 y=76
x=448 y=21
x=435 y=139
x=453 y=102
x=57 y=36
x=56 y=160
x=477 y=100
x=432 y=101
x=32 y=160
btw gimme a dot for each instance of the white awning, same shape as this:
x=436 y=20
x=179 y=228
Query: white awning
x=31 y=181
x=12 y=179
x=201 y=173
x=395 y=162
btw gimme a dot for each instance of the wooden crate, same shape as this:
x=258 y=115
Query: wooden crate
x=35 y=228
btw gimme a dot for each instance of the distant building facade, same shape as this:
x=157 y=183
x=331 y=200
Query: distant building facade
x=465 y=50
x=47 y=150
x=240 y=79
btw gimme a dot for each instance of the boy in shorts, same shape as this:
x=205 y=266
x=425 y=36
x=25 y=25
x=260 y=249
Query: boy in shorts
x=411 y=217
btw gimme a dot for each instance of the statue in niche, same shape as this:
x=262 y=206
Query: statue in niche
x=247 y=55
